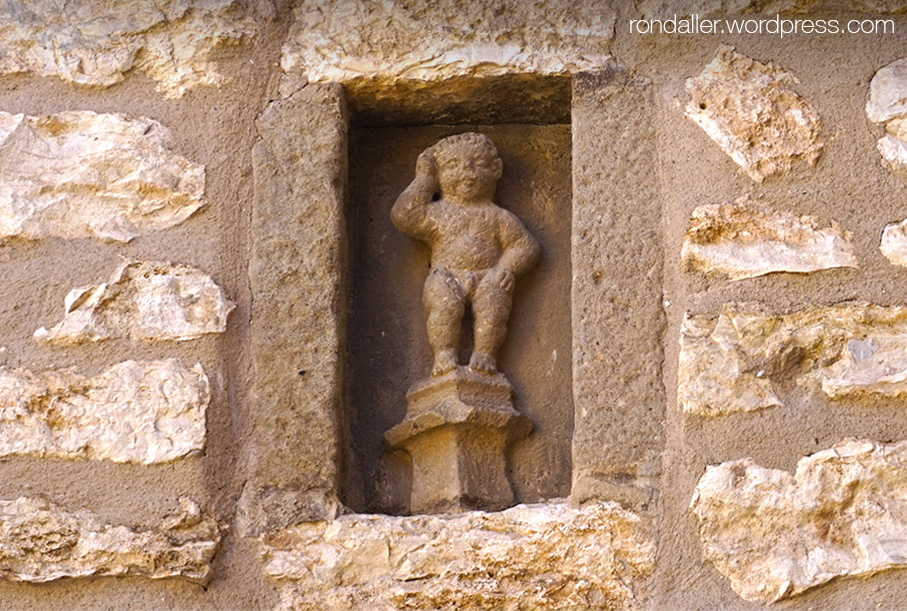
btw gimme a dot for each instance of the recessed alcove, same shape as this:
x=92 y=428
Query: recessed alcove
x=387 y=344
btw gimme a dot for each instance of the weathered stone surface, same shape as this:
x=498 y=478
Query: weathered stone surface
x=617 y=314
x=83 y=174
x=145 y=412
x=775 y=535
x=729 y=363
x=548 y=556
x=386 y=42
x=42 y=541
x=894 y=242
x=887 y=107
x=143 y=300
x=96 y=42
x=751 y=112
x=745 y=241
x=879 y=6
x=298 y=303
x=682 y=9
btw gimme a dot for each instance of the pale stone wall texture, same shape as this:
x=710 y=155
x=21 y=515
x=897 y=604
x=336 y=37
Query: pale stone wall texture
x=208 y=321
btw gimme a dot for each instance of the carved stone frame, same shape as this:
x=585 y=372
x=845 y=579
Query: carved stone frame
x=298 y=282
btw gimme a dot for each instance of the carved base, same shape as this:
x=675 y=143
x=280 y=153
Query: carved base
x=456 y=430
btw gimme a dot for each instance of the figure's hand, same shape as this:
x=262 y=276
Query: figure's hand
x=425 y=164
x=504 y=278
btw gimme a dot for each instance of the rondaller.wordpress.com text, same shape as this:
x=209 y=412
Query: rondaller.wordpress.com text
x=776 y=25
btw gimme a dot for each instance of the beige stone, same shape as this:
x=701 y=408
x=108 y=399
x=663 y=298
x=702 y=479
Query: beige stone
x=80 y=174
x=887 y=107
x=546 y=556
x=730 y=363
x=143 y=300
x=747 y=240
x=386 y=42
x=145 y=412
x=894 y=242
x=42 y=541
x=879 y=6
x=776 y=534
x=95 y=42
x=682 y=9
x=751 y=111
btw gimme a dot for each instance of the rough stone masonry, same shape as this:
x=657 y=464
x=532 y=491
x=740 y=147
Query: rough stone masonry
x=229 y=381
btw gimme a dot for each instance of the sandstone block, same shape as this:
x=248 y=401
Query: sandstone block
x=729 y=363
x=775 y=534
x=42 y=541
x=296 y=273
x=745 y=241
x=617 y=427
x=143 y=300
x=751 y=111
x=546 y=556
x=97 y=42
x=145 y=412
x=84 y=174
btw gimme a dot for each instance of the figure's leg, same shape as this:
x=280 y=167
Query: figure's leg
x=444 y=305
x=491 y=309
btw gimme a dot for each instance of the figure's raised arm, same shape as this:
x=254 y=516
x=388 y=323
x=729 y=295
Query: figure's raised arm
x=521 y=249
x=410 y=213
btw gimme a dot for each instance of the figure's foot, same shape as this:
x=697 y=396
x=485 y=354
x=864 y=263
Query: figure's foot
x=483 y=363
x=445 y=361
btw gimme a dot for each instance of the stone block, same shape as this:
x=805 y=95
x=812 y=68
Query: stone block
x=42 y=541
x=747 y=240
x=544 y=556
x=617 y=314
x=298 y=278
x=775 y=534
x=96 y=43
x=143 y=300
x=752 y=112
x=457 y=430
x=80 y=174
x=137 y=411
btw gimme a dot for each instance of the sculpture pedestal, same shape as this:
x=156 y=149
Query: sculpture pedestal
x=456 y=430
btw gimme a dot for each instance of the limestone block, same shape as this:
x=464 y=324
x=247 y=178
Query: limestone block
x=682 y=9
x=42 y=541
x=751 y=112
x=546 y=556
x=776 y=534
x=745 y=241
x=729 y=363
x=347 y=41
x=887 y=107
x=80 y=174
x=96 y=42
x=145 y=412
x=143 y=300
x=894 y=241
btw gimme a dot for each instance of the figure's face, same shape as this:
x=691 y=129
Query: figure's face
x=468 y=173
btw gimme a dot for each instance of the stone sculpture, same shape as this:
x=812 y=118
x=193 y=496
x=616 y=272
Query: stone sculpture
x=477 y=248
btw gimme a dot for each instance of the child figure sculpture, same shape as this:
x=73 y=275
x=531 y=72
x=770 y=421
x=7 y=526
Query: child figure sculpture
x=476 y=247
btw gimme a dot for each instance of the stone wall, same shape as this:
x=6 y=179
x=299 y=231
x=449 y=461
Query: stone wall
x=209 y=321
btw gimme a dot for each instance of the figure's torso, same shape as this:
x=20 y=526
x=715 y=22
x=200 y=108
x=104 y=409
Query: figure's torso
x=466 y=237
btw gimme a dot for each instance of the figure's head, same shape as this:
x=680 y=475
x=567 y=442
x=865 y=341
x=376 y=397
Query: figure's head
x=468 y=167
